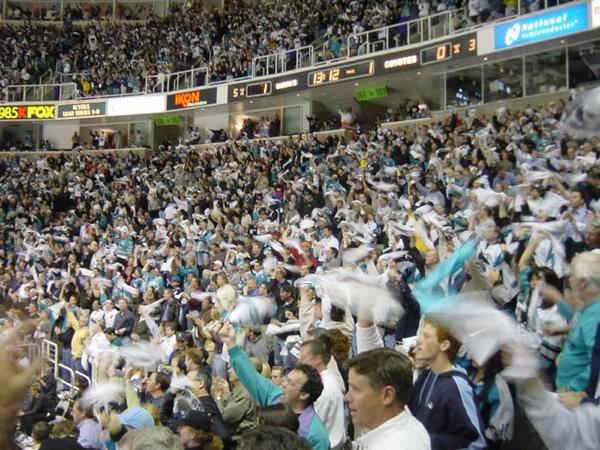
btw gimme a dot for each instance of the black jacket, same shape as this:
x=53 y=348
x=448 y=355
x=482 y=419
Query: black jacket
x=61 y=444
x=204 y=404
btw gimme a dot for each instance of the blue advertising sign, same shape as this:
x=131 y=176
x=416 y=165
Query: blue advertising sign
x=548 y=25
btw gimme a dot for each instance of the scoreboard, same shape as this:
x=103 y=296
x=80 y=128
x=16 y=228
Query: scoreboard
x=454 y=48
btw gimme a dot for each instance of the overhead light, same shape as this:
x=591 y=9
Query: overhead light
x=297 y=95
x=355 y=84
x=251 y=101
x=418 y=73
x=485 y=59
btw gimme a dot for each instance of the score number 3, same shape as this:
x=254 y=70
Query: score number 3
x=457 y=48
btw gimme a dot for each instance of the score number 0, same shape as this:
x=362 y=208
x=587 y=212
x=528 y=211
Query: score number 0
x=446 y=51
x=442 y=52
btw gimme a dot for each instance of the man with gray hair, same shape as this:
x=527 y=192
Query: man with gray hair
x=154 y=438
x=574 y=367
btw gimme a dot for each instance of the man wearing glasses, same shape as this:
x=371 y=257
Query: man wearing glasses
x=300 y=388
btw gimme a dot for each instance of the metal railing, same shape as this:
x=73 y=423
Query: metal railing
x=285 y=61
x=47 y=77
x=177 y=81
x=64 y=375
x=409 y=32
x=78 y=374
x=50 y=352
x=17 y=93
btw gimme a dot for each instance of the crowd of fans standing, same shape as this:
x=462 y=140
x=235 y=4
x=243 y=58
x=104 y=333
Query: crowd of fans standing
x=107 y=253
x=115 y=57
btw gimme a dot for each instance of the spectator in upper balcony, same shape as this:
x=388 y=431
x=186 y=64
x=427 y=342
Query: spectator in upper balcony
x=424 y=8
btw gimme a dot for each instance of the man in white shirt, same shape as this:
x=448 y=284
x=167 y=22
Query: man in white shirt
x=380 y=383
x=328 y=241
x=226 y=295
x=578 y=211
x=97 y=344
x=109 y=313
x=167 y=342
x=330 y=404
x=97 y=314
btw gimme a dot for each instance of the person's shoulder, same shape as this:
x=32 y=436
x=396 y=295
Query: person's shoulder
x=414 y=432
x=403 y=428
x=455 y=386
x=317 y=430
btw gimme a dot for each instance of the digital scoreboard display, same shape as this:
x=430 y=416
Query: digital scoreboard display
x=448 y=50
x=452 y=48
x=259 y=89
x=253 y=90
x=341 y=73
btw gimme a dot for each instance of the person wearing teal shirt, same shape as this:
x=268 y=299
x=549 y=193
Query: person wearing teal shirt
x=153 y=277
x=300 y=389
x=124 y=245
x=190 y=267
x=574 y=364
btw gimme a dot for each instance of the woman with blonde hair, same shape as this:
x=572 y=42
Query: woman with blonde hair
x=63 y=437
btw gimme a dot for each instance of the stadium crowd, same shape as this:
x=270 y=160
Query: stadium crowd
x=75 y=12
x=115 y=57
x=277 y=293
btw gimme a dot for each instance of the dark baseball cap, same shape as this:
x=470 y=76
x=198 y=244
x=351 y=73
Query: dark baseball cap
x=184 y=336
x=197 y=420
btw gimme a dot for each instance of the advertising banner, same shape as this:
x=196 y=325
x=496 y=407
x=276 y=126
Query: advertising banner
x=27 y=112
x=192 y=99
x=81 y=110
x=551 y=24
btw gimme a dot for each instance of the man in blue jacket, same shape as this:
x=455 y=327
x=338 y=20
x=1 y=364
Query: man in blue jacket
x=301 y=388
x=443 y=398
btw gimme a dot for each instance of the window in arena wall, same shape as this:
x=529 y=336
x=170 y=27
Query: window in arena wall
x=584 y=64
x=546 y=72
x=463 y=87
x=503 y=80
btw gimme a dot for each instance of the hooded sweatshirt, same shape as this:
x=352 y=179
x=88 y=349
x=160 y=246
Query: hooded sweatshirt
x=445 y=405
